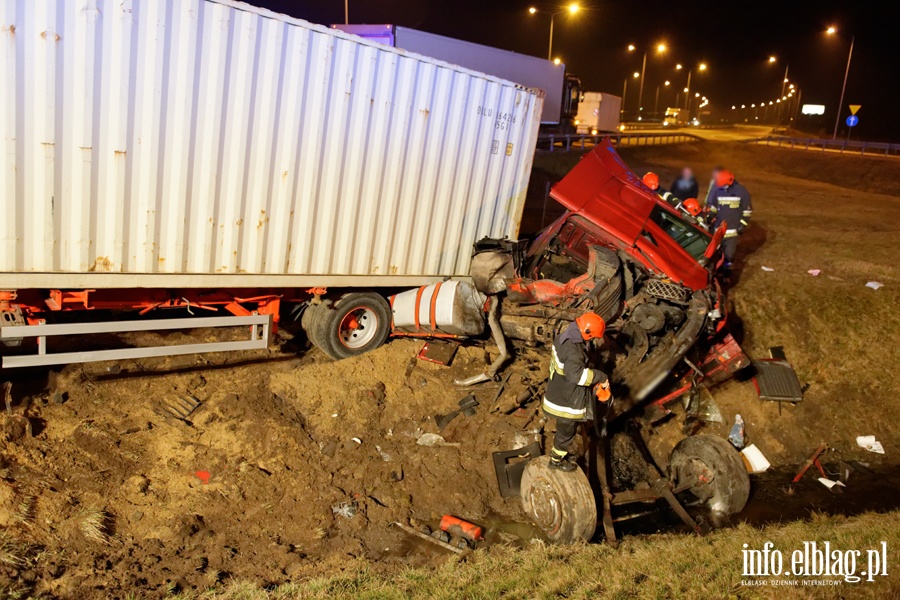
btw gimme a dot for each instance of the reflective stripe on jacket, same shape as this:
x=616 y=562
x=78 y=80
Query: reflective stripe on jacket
x=571 y=379
x=730 y=205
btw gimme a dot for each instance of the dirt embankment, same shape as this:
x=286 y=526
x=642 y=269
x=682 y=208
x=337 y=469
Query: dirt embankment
x=266 y=483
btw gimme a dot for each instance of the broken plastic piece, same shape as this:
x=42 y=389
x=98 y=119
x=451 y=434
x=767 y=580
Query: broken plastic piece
x=869 y=443
x=736 y=437
x=754 y=460
x=768 y=269
x=829 y=483
x=874 y=285
x=814 y=272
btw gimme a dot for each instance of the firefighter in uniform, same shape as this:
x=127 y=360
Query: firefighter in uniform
x=729 y=203
x=569 y=395
x=651 y=180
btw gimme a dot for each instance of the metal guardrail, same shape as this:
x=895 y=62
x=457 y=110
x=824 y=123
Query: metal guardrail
x=842 y=146
x=581 y=141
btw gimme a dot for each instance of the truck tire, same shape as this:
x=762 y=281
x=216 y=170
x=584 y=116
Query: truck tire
x=561 y=504
x=724 y=484
x=357 y=323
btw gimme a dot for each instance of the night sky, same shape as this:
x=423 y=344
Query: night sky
x=734 y=38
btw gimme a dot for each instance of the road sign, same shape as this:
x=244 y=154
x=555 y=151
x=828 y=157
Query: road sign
x=852 y=120
x=854 y=108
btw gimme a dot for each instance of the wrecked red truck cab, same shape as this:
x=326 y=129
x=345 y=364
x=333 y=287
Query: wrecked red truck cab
x=622 y=252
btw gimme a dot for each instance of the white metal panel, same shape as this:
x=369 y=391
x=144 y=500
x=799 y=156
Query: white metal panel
x=171 y=138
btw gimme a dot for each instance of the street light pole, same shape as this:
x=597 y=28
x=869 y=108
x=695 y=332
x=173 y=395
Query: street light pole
x=622 y=111
x=837 y=119
x=550 y=49
x=641 y=89
x=571 y=9
x=346 y=12
x=687 y=91
x=783 y=85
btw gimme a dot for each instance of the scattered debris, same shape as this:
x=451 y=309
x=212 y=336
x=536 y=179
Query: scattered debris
x=869 y=443
x=466 y=406
x=830 y=484
x=433 y=439
x=812 y=460
x=438 y=351
x=461 y=528
x=814 y=272
x=754 y=460
x=768 y=269
x=384 y=455
x=428 y=537
x=875 y=285
x=180 y=407
x=736 y=437
x=203 y=476
x=509 y=466
x=511 y=405
x=357 y=440
x=776 y=380
x=344 y=509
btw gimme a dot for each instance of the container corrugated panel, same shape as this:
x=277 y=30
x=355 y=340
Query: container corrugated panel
x=179 y=137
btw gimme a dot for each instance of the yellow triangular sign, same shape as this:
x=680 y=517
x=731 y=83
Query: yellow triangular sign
x=854 y=108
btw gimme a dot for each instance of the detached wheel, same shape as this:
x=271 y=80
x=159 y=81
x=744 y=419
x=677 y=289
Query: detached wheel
x=560 y=504
x=722 y=482
x=357 y=323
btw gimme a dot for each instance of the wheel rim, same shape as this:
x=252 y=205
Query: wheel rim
x=358 y=327
x=544 y=503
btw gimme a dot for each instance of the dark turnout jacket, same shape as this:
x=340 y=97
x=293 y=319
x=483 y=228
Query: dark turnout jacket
x=730 y=205
x=568 y=393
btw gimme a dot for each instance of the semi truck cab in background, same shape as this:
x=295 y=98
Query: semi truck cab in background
x=562 y=90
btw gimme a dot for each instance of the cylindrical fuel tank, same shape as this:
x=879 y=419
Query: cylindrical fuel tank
x=449 y=307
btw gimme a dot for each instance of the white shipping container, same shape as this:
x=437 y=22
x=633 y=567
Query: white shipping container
x=206 y=143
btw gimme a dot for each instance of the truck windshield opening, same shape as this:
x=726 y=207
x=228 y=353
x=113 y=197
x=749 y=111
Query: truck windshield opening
x=684 y=233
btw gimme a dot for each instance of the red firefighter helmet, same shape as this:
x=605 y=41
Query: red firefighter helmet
x=691 y=206
x=724 y=178
x=591 y=325
x=651 y=180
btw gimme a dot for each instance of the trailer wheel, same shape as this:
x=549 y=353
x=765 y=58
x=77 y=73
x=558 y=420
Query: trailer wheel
x=561 y=504
x=722 y=480
x=357 y=323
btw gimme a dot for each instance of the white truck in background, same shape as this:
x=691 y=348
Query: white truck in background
x=675 y=117
x=598 y=113
x=562 y=90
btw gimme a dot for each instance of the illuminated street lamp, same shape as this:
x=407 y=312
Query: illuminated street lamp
x=557 y=61
x=837 y=118
x=678 y=67
x=660 y=49
x=687 y=88
x=784 y=82
x=571 y=9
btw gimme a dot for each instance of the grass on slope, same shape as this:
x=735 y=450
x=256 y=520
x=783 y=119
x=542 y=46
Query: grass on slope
x=660 y=566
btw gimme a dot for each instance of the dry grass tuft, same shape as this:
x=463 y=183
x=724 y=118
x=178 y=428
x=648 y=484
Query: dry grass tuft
x=12 y=552
x=94 y=524
x=25 y=511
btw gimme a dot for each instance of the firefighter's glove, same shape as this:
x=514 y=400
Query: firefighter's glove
x=602 y=392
